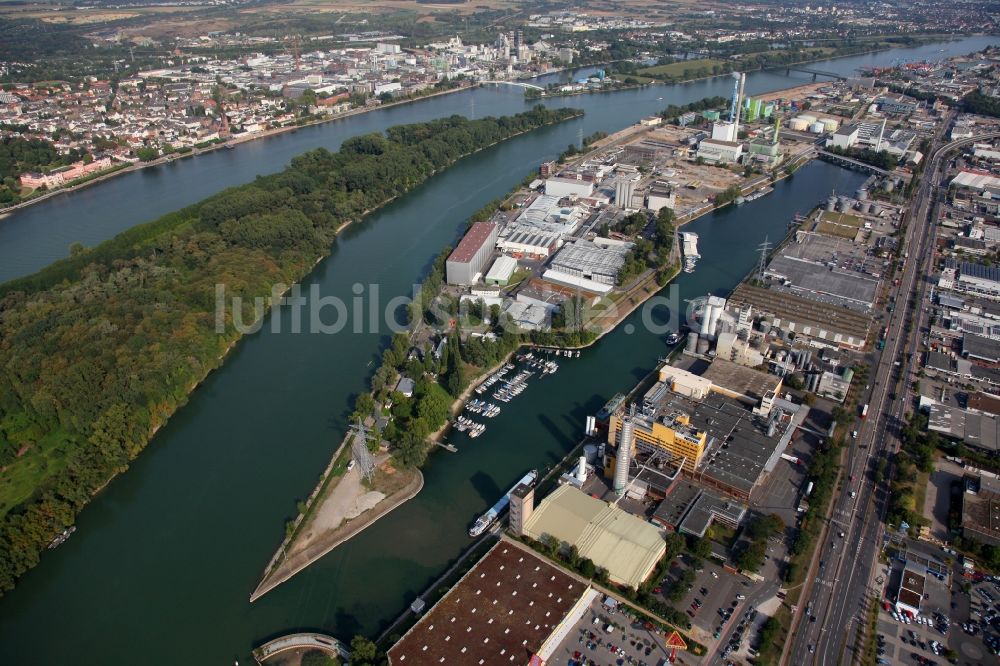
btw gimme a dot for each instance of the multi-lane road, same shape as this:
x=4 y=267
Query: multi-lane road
x=843 y=567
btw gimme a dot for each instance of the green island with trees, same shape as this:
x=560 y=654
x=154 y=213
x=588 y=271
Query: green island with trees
x=98 y=350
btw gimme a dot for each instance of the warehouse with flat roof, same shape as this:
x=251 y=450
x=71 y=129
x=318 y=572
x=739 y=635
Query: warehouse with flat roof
x=466 y=262
x=510 y=608
x=627 y=546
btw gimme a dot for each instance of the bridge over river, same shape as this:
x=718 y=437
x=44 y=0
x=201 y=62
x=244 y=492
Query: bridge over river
x=305 y=642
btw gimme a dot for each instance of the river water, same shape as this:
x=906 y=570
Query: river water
x=163 y=562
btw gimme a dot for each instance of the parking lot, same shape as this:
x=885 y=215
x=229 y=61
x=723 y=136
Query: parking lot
x=608 y=637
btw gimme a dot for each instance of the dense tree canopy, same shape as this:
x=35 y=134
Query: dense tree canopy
x=98 y=350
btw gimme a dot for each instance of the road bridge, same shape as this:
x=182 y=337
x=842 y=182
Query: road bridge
x=815 y=72
x=302 y=641
x=850 y=162
x=519 y=84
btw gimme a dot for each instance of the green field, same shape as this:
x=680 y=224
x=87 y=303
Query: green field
x=678 y=68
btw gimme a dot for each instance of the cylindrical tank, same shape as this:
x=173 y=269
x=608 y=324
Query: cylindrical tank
x=706 y=316
x=862 y=194
x=889 y=186
x=581 y=469
x=590 y=453
x=830 y=125
x=816 y=127
x=831 y=204
x=876 y=210
x=692 y=343
x=624 y=456
x=869 y=207
x=718 y=310
x=806 y=117
x=798 y=125
x=845 y=205
x=703 y=346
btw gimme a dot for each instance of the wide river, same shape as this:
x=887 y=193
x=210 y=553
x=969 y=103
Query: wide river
x=163 y=562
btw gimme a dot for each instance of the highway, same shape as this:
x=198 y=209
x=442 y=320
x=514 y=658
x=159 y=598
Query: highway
x=841 y=585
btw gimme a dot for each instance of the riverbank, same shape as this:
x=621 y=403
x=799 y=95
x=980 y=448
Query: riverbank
x=228 y=145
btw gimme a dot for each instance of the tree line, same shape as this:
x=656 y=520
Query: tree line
x=98 y=350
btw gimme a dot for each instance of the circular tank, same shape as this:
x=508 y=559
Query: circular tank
x=845 y=205
x=830 y=125
x=869 y=207
x=703 y=346
x=889 y=186
x=816 y=128
x=590 y=453
x=798 y=125
x=831 y=204
x=806 y=117
x=862 y=194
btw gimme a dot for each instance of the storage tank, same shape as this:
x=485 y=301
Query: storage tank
x=692 y=343
x=590 y=453
x=889 y=186
x=876 y=210
x=798 y=125
x=816 y=127
x=845 y=205
x=869 y=207
x=806 y=117
x=703 y=346
x=830 y=125
x=831 y=204
x=581 y=470
x=862 y=194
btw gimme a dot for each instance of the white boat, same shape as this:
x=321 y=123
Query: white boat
x=689 y=247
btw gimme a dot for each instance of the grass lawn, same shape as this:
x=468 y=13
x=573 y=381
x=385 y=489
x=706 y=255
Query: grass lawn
x=678 y=68
x=771 y=652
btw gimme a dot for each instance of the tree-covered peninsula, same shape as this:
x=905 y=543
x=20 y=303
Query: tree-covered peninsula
x=98 y=350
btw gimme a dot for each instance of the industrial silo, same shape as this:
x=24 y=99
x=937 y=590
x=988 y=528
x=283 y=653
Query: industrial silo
x=862 y=194
x=590 y=453
x=798 y=125
x=831 y=204
x=830 y=125
x=703 y=346
x=816 y=127
x=692 y=343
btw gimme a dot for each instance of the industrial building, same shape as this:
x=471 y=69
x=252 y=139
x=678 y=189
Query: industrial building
x=720 y=152
x=821 y=324
x=973 y=427
x=599 y=260
x=527 y=242
x=501 y=270
x=558 y=186
x=691 y=509
x=613 y=539
x=624 y=190
x=978 y=279
x=708 y=433
x=981 y=509
x=512 y=607
x=465 y=264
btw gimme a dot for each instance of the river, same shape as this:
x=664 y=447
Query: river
x=162 y=564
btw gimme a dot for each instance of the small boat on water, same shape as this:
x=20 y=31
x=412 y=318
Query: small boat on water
x=61 y=537
x=759 y=193
x=673 y=338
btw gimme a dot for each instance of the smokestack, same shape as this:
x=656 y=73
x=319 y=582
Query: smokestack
x=739 y=107
x=581 y=470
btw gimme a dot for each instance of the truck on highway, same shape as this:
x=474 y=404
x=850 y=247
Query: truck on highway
x=864 y=411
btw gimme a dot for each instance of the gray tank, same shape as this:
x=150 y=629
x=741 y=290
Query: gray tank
x=861 y=194
x=831 y=204
x=590 y=453
x=889 y=185
x=703 y=346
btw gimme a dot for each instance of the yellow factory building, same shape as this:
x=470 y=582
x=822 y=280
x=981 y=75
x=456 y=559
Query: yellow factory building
x=672 y=433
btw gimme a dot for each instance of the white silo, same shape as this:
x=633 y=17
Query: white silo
x=706 y=316
x=581 y=470
x=718 y=306
x=692 y=343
